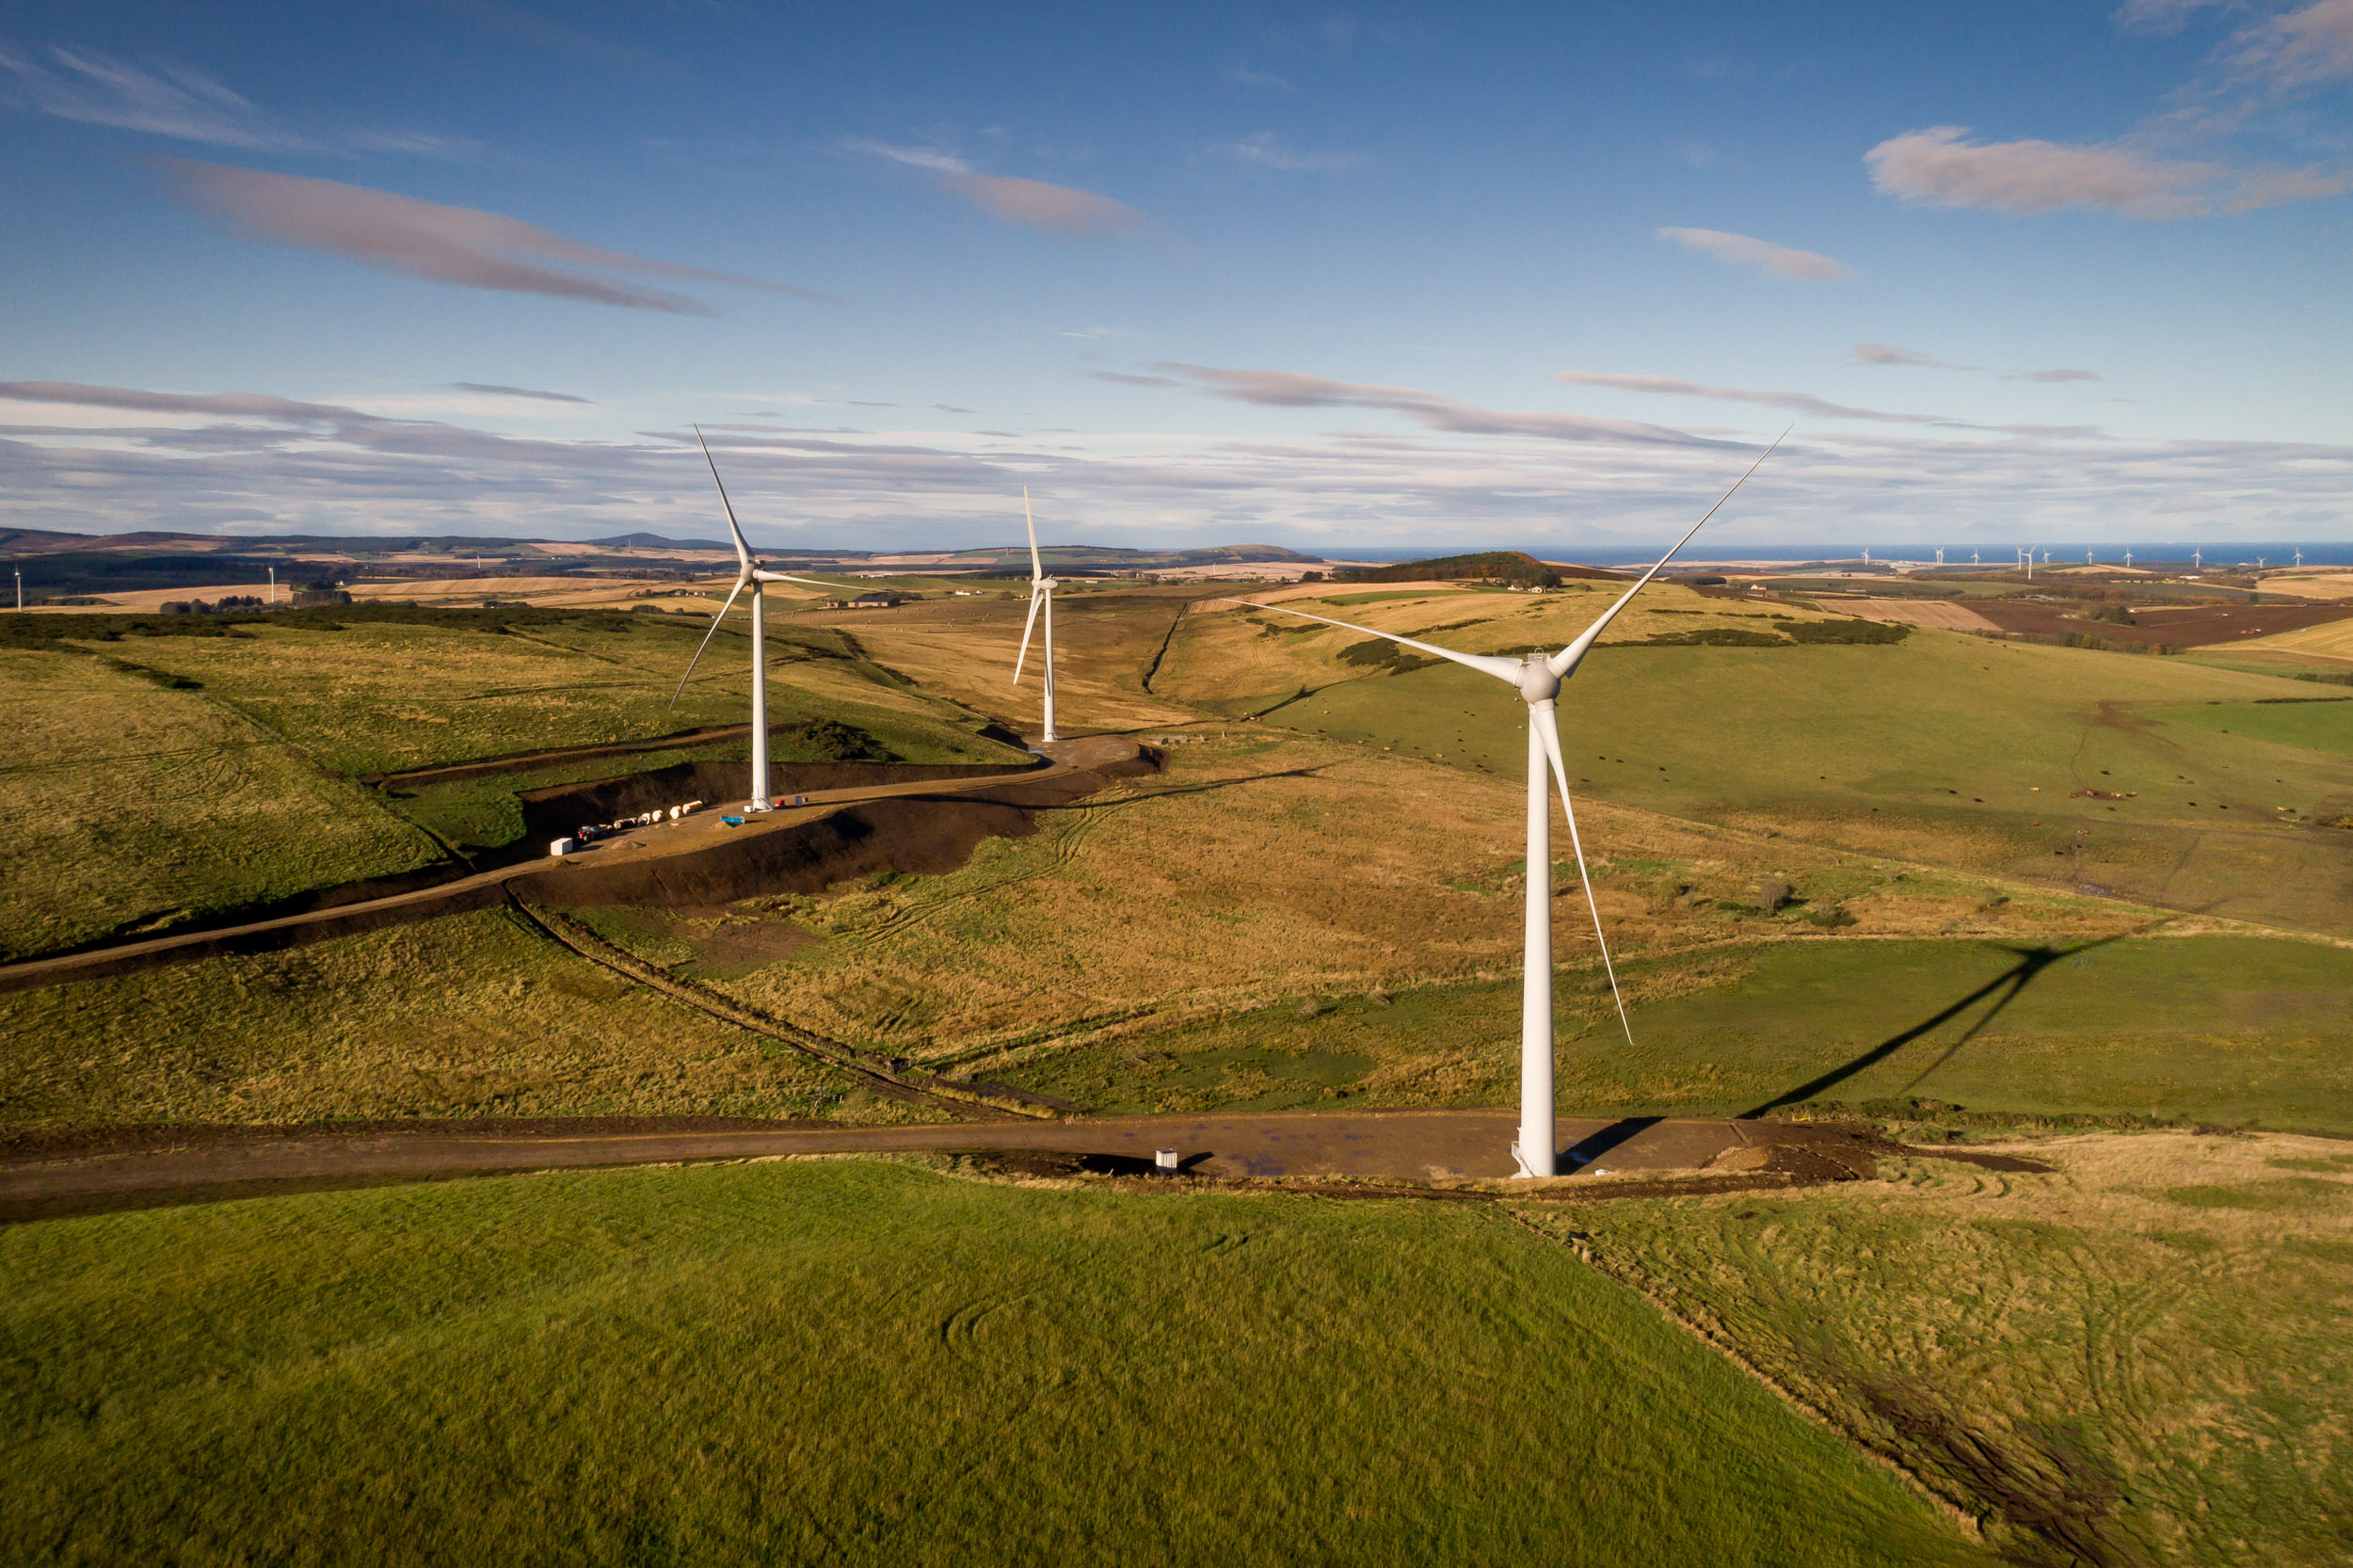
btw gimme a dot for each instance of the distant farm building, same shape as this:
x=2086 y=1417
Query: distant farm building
x=873 y=599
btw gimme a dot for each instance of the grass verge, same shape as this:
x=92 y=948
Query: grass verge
x=854 y=1362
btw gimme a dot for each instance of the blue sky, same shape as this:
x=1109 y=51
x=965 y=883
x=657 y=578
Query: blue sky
x=1318 y=275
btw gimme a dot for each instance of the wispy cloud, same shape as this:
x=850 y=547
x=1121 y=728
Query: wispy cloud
x=1940 y=166
x=245 y=462
x=163 y=100
x=1268 y=152
x=1284 y=388
x=1241 y=75
x=1888 y=354
x=1779 y=260
x=2309 y=47
x=1122 y=379
x=227 y=404
x=1801 y=403
x=425 y=239
x=2161 y=16
x=1062 y=210
x=1807 y=402
x=497 y=391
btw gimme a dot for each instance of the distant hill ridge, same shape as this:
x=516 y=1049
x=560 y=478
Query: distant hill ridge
x=1513 y=567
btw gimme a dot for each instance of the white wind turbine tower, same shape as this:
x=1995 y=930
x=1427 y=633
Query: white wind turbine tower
x=1539 y=680
x=749 y=573
x=1041 y=592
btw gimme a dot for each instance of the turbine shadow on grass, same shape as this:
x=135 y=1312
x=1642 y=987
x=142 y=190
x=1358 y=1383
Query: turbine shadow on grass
x=2008 y=984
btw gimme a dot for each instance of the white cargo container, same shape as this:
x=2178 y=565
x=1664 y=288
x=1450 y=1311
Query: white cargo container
x=562 y=846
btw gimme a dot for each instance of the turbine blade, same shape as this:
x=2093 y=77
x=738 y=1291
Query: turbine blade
x=763 y=575
x=706 y=642
x=1038 y=567
x=1507 y=670
x=1025 y=626
x=1563 y=663
x=1548 y=726
x=743 y=550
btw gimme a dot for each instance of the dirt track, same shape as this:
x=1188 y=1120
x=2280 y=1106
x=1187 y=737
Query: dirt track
x=824 y=837
x=138 y=1168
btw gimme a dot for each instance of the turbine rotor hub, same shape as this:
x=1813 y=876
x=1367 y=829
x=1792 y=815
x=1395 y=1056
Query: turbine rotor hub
x=1537 y=682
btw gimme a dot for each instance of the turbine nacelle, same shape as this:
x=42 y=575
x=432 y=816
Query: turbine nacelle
x=1537 y=683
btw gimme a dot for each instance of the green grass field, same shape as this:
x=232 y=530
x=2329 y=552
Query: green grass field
x=853 y=1362
x=133 y=807
x=380 y=697
x=1944 y=748
x=2236 y=1030
x=2138 y=1359
x=161 y=780
x=466 y=1016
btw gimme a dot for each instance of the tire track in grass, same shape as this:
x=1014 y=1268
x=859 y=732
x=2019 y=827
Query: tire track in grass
x=1063 y=850
x=882 y=1079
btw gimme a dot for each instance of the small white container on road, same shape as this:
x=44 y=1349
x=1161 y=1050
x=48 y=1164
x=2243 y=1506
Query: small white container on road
x=1164 y=1159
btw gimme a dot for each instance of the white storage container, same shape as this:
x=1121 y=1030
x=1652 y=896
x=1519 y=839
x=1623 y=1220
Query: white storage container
x=562 y=846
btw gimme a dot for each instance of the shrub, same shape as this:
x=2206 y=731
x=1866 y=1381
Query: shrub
x=1847 y=631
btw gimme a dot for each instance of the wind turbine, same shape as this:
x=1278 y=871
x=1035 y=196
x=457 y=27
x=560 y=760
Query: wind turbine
x=1539 y=680
x=749 y=573
x=1041 y=592
x=2300 y=560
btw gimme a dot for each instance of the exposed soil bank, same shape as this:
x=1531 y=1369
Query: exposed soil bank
x=919 y=835
x=555 y=811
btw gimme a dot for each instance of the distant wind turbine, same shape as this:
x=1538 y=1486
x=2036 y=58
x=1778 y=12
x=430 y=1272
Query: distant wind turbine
x=1538 y=679
x=1041 y=592
x=749 y=573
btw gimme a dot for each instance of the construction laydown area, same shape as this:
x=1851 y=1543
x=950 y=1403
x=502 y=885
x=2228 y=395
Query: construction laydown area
x=1966 y=1180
